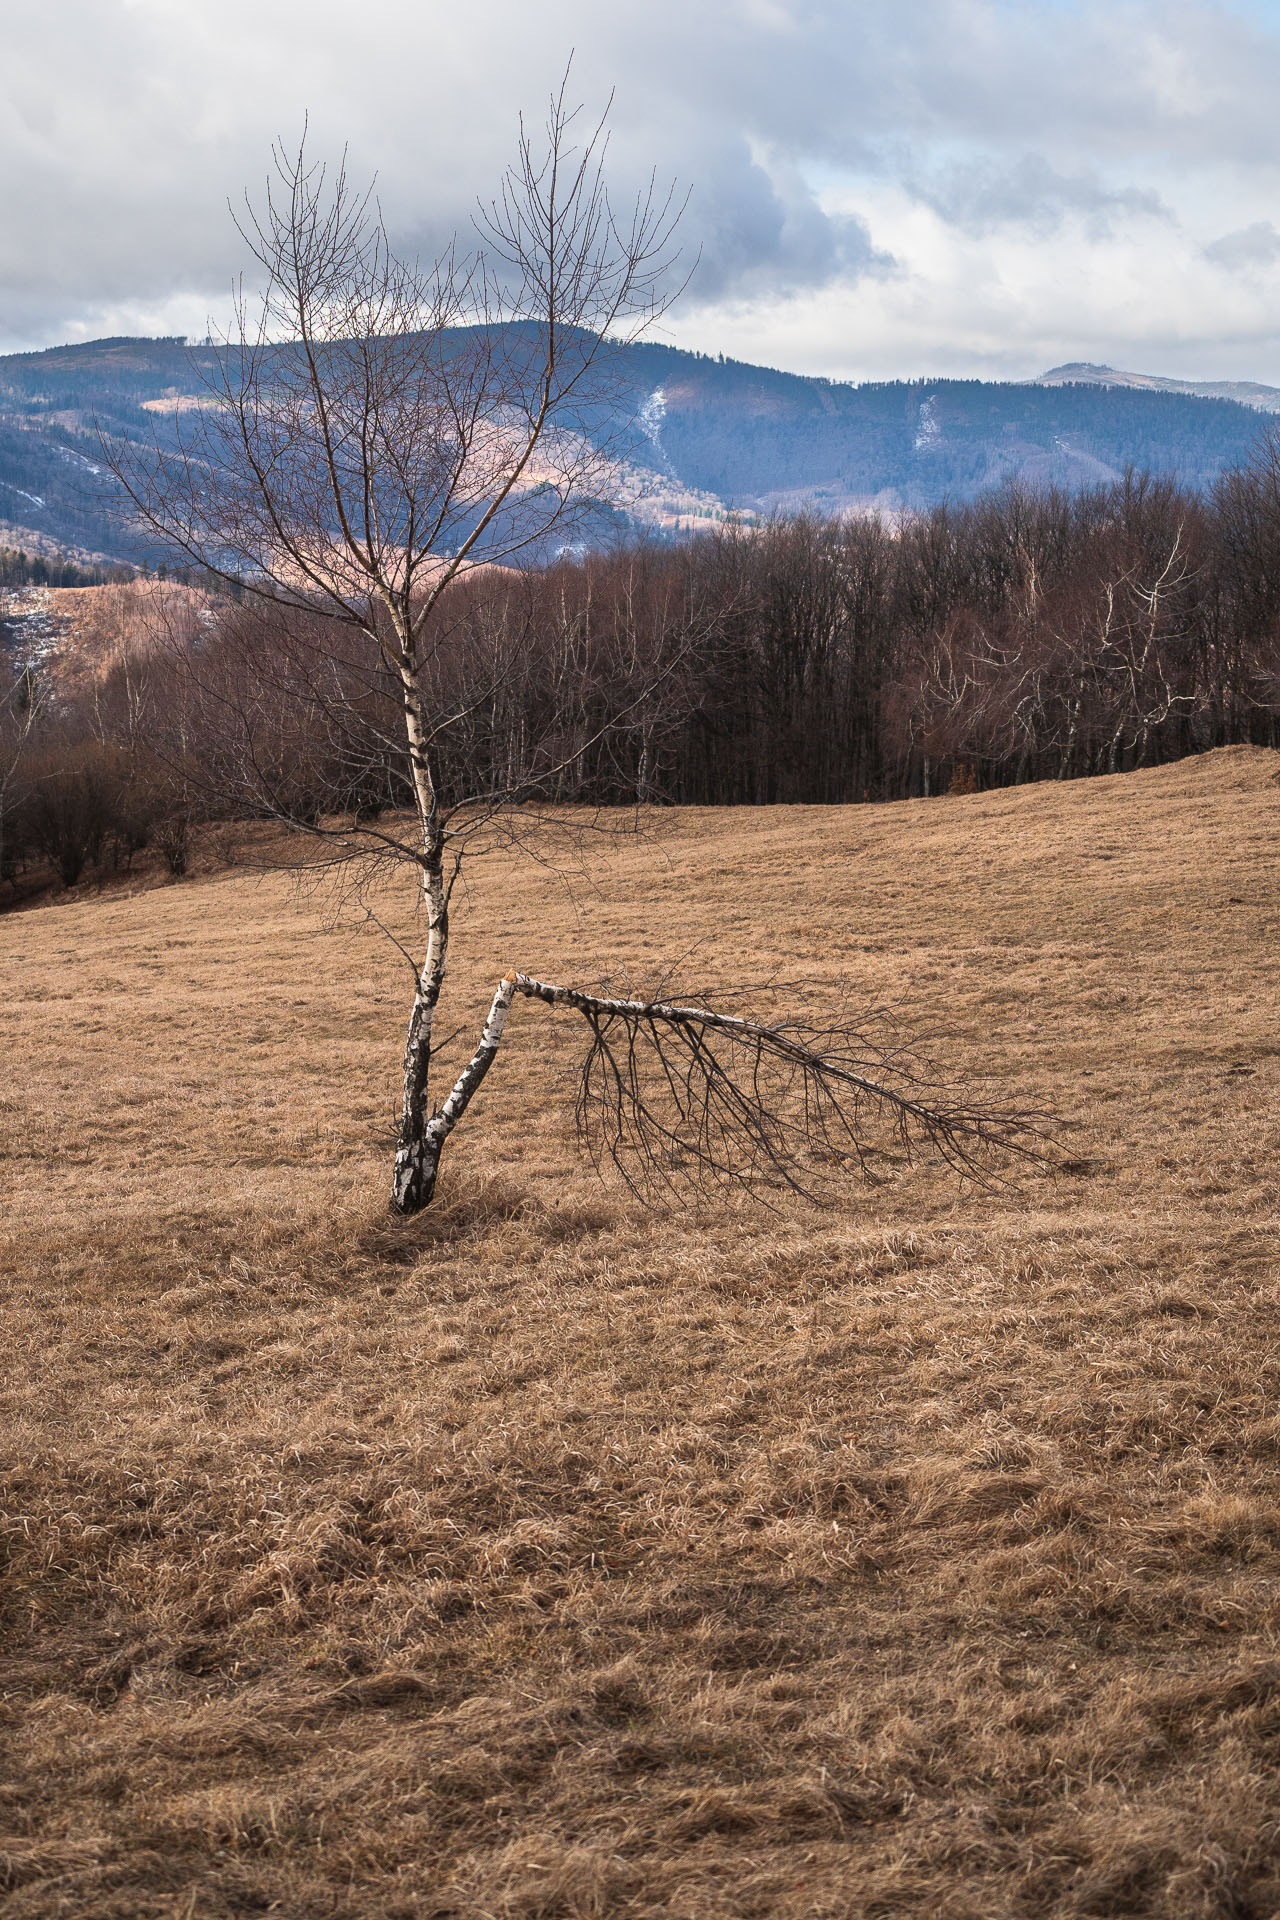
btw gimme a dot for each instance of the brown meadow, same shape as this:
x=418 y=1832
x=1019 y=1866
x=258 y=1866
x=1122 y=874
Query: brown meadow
x=552 y=1556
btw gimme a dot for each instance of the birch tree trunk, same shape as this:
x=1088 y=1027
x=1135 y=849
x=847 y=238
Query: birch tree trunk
x=422 y=1141
x=413 y=1180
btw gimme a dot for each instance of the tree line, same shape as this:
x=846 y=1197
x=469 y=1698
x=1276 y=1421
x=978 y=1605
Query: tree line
x=1029 y=636
x=21 y=569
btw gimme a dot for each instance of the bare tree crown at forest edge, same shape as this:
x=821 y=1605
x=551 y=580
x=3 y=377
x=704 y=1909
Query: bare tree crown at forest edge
x=378 y=431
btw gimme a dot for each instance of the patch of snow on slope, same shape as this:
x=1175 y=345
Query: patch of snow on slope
x=928 y=432
x=650 y=419
x=69 y=453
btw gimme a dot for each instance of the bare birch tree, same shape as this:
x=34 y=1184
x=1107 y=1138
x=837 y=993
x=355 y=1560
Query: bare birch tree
x=375 y=431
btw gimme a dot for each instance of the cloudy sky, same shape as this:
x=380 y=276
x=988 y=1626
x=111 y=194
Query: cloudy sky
x=878 y=187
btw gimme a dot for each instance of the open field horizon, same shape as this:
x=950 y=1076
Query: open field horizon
x=554 y=1556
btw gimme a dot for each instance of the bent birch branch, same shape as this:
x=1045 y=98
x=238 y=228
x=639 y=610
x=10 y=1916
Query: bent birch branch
x=443 y=1122
x=675 y=1095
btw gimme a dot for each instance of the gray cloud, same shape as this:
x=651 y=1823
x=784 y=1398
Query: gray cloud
x=986 y=192
x=1257 y=245
x=119 y=154
x=762 y=225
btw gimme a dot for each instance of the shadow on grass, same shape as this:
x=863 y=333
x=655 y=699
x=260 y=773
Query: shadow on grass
x=468 y=1208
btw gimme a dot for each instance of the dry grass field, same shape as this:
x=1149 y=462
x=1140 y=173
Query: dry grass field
x=552 y=1557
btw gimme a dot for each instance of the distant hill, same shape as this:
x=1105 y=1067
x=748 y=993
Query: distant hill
x=705 y=436
x=1083 y=373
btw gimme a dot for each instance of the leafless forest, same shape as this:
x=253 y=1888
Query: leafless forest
x=1030 y=637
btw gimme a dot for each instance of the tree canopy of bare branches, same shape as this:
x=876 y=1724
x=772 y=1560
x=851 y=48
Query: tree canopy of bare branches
x=375 y=431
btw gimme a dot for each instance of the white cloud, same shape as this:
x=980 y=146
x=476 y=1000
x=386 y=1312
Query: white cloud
x=954 y=186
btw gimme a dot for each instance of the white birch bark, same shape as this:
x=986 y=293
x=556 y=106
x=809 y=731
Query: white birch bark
x=421 y=1158
x=417 y=1158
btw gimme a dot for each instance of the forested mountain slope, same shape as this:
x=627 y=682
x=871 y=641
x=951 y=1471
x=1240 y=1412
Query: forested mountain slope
x=1250 y=393
x=703 y=436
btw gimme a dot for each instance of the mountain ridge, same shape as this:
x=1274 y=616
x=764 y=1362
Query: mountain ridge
x=704 y=437
x=1249 y=393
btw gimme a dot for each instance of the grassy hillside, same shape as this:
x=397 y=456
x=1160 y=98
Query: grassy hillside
x=556 y=1558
